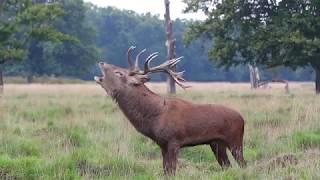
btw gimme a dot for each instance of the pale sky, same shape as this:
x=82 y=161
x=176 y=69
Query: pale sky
x=152 y=6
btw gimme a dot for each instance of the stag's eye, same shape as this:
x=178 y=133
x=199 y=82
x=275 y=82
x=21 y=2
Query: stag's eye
x=117 y=73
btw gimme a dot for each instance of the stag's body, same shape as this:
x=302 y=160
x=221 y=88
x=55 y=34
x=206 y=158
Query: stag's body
x=174 y=123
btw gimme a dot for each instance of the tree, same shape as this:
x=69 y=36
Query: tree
x=232 y=25
x=117 y=30
x=10 y=43
x=39 y=21
x=171 y=46
x=297 y=40
x=75 y=59
x=254 y=76
x=265 y=32
x=24 y=25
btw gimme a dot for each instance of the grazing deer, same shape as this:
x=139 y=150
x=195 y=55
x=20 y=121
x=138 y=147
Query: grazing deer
x=171 y=122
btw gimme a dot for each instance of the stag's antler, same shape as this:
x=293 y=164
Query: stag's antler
x=129 y=54
x=167 y=68
x=136 y=65
x=164 y=67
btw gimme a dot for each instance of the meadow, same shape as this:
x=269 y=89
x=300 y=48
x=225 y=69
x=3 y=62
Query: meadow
x=75 y=131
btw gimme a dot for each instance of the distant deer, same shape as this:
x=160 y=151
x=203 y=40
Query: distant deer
x=171 y=122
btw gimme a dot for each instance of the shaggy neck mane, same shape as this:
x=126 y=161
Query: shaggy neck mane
x=141 y=106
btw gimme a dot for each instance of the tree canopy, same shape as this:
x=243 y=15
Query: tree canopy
x=264 y=32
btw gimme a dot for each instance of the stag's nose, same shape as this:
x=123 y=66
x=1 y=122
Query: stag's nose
x=101 y=63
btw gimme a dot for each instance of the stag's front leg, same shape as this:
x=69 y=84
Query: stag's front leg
x=170 y=158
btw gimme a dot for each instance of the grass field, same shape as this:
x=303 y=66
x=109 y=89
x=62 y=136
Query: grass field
x=77 y=132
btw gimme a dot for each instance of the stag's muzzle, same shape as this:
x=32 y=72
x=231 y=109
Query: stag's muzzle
x=99 y=79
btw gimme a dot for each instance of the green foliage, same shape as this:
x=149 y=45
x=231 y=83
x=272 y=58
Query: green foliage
x=231 y=27
x=11 y=54
x=10 y=44
x=24 y=20
x=74 y=59
x=263 y=32
x=39 y=33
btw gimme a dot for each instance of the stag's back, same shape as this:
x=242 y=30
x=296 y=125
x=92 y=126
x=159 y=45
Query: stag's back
x=200 y=123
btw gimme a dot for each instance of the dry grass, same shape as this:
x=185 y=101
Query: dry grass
x=77 y=132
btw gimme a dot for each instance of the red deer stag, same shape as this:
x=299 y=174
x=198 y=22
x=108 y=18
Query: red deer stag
x=171 y=122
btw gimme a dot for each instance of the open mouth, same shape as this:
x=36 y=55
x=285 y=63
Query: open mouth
x=99 y=79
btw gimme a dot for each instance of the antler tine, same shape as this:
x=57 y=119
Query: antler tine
x=165 y=67
x=176 y=61
x=179 y=75
x=178 y=79
x=152 y=55
x=129 y=54
x=148 y=61
x=136 y=66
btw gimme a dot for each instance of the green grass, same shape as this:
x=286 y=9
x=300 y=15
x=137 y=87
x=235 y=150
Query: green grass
x=307 y=139
x=67 y=132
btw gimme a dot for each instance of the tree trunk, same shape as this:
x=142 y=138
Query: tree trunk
x=254 y=76
x=171 y=87
x=1 y=81
x=2 y=2
x=317 y=81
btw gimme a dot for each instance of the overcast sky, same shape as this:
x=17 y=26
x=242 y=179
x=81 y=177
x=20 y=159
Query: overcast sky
x=152 y=6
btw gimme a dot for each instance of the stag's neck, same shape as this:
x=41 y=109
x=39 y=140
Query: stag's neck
x=141 y=106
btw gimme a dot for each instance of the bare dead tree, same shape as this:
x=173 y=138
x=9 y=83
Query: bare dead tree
x=254 y=76
x=2 y=2
x=171 y=46
x=257 y=83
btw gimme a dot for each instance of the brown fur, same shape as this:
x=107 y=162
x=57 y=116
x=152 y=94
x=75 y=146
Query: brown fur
x=174 y=123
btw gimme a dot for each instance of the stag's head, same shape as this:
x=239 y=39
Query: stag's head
x=116 y=78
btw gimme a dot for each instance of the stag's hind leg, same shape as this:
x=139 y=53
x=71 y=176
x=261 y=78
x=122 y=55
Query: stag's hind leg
x=220 y=151
x=237 y=153
x=236 y=148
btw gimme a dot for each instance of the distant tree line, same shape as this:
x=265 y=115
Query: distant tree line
x=66 y=38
